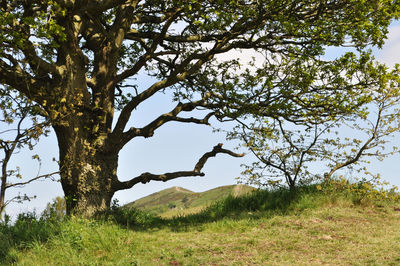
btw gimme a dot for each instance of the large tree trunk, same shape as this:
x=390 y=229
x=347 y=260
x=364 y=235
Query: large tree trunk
x=88 y=171
x=82 y=122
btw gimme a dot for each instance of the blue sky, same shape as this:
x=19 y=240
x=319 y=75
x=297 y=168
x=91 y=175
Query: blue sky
x=175 y=147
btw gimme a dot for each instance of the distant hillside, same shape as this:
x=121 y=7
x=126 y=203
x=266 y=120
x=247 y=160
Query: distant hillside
x=177 y=200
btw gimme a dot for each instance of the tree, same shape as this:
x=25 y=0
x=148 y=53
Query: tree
x=55 y=209
x=78 y=61
x=16 y=112
x=285 y=152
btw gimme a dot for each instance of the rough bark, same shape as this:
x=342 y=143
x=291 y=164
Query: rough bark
x=88 y=172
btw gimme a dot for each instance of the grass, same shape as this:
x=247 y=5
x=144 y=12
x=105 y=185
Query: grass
x=179 y=201
x=306 y=227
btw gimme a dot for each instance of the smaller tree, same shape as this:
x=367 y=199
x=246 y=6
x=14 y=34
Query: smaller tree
x=23 y=130
x=56 y=209
x=289 y=152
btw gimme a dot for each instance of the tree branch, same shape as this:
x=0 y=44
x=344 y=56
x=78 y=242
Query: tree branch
x=179 y=74
x=31 y=180
x=354 y=159
x=148 y=130
x=217 y=149
x=97 y=7
x=19 y=79
x=150 y=52
x=38 y=65
x=147 y=177
x=134 y=34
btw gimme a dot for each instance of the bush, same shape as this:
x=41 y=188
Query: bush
x=363 y=192
x=132 y=217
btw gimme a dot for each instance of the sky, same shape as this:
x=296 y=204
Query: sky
x=174 y=147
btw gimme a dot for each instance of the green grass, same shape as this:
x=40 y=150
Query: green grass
x=305 y=227
x=177 y=201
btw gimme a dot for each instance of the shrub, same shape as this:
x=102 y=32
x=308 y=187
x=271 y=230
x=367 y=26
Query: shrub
x=132 y=217
x=363 y=192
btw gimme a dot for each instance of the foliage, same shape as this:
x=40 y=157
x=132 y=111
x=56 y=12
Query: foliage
x=55 y=210
x=363 y=192
x=18 y=111
x=288 y=152
x=82 y=61
x=131 y=217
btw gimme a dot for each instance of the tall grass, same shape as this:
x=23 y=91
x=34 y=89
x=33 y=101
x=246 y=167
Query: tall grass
x=27 y=229
x=31 y=231
x=264 y=203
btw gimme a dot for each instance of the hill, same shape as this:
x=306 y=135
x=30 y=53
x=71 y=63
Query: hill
x=312 y=226
x=177 y=200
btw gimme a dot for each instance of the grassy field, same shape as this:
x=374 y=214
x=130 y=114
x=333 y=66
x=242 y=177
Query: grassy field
x=306 y=227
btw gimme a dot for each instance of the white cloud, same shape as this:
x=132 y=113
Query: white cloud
x=390 y=52
x=245 y=57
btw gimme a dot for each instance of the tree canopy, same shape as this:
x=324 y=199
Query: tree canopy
x=81 y=62
x=292 y=154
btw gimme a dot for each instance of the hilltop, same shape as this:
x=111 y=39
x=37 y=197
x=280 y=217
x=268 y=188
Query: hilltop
x=333 y=224
x=178 y=200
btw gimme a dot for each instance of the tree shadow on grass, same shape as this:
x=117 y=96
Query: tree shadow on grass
x=257 y=204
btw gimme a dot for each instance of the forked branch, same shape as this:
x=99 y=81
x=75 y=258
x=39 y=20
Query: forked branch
x=147 y=177
x=148 y=131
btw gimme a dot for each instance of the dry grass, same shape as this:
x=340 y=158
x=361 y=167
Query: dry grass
x=332 y=235
x=332 y=227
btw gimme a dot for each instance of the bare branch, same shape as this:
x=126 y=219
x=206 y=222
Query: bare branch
x=38 y=65
x=150 y=52
x=361 y=151
x=147 y=177
x=31 y=180
x=178 y=75
x=19 y=198
x=148 y=131
x=217 y=149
